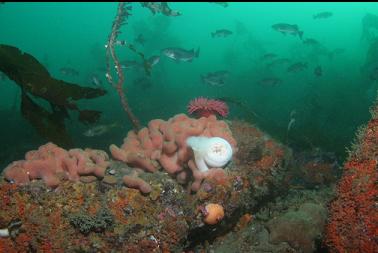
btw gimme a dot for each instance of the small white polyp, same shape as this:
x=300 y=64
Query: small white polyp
x=4 y=232
x=210 y=152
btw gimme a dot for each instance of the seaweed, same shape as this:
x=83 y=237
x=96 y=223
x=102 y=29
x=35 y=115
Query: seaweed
x=34 y=79
x=48 y=125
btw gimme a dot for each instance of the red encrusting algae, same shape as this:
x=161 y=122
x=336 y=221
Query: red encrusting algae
x=353 y=220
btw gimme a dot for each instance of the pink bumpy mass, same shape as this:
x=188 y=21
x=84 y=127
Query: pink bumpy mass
x=52 y=163
x=204 y=107
x=164 y=143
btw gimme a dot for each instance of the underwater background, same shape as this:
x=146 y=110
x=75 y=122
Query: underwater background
x=328 y=108
x=261 y=127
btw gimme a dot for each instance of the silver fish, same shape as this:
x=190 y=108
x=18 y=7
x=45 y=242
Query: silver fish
x=291 y=124
x=127 y=64
x=224 y=4
x=69 y=71
x=324 y=14
x=140 y=39
x=336 y=52
x=270 y=81
x=310 y=42
x=221 y=33
x=96 y=81
x=120 y=43
x=296 y=67
x=288 y=29
x=99 y=130
x=318 y=71
x=143 y=82
x=179 y=54
x=153 y=60
x=217 y=78
x=268 y=57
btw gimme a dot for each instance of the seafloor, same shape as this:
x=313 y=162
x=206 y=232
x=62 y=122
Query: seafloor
x=274 y=200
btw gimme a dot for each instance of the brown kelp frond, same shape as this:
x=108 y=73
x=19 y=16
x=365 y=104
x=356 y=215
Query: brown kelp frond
x=48 y=125
x=34 y=79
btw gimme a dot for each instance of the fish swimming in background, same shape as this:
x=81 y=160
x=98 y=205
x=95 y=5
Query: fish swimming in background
x=323 y=15
x=241 y=104
x=179 y=54
x=311 y=42
x=96 y=81
x=153 y=60
x=321 y=50
x=221 y=33
x=293 y=113
x=217 y=78
x=224 y=4
x=140 y=39
x=127 y=64
x=291 y=123
x=318 y=71
x=149 y=63
x=268 y=57
x=99 y=130
x=288 y=29
x=296 y=67
x=143 y=82
x=120 y=43
x=270 y=81
x=336 y=52
x=68 y=71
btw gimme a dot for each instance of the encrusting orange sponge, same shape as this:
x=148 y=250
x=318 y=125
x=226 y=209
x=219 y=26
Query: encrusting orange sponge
x=214 y=213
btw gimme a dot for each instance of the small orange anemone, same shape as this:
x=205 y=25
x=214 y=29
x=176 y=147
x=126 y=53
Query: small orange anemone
x=214 y=213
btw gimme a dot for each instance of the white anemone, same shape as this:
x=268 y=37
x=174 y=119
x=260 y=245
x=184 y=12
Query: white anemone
x=210 y=152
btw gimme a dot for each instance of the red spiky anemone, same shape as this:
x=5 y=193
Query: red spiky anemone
x=203 y=107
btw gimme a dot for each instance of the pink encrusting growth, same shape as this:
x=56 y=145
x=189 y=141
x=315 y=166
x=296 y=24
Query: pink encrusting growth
x=163 y=143
x=52 y=163
x=137 y=183
x=205 y=107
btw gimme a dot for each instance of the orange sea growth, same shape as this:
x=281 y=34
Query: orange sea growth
x=353 y=221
